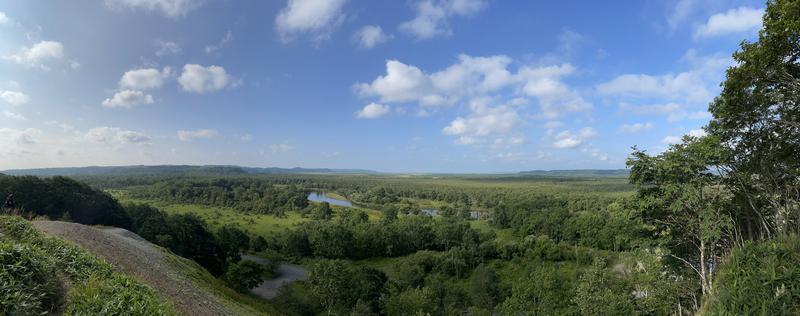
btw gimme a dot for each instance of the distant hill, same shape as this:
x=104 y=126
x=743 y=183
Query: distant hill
x=172 y=170
x=579 y=173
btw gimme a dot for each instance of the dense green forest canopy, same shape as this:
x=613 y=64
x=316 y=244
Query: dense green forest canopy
x=708 y=226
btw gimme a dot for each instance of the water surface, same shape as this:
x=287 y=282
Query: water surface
x=321 y=197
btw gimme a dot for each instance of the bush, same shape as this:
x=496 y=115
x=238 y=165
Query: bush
x=244 y=275
x=759 y=278
x=36 y=260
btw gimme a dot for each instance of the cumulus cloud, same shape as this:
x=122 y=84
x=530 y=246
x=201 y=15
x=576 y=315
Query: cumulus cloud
x=145 y=78
x=733 y=21
x=567 y=139
x=555 y=97
x=128 y=99
x=116 y=136
x=4 y=19
x=15 y=98
x=486 y=120
x=371 y=35
x=672 y=140
x=317 y=18
x=474 y=77
x=433 y=15
x=373 y=111
x=40 y=55
x=170 y=8
x=199 y=79
x=188 y=135
x=167 y=48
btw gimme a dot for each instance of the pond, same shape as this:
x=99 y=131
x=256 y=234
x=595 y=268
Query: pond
x=321 y=197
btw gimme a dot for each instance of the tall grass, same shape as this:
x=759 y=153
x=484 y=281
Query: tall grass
x=29 y=279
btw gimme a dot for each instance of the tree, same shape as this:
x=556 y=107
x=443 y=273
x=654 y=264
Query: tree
x=244 y=275
x=322 y=211
x=602 y=293
x=485 y=287
x=757 y=119
x=258 y=243
x=686 y=202
x=330 y=282
x=233 y=241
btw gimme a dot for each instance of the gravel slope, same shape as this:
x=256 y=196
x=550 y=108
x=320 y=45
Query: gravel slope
x=133 y=255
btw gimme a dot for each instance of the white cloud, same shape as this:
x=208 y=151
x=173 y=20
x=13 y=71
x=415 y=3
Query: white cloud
x=116 y=136
x=401 y=83
x=12 y=137
x=14 y=97
x=371 y=35
x=14 y=116
x=186 y=136
x=4 y=19
x=432 y=16
x=373 y=111
x=170 y=8
x=568 y=139
x=128 y=99
x=696 y=86
x=473 y=77
x=213 y=48
x=739 y=20
x=39 y=55
x=199 y=79
x=145 y=79
x=672 y=140
x=697 y=133
x=635 y=128
x=554 y=96
x=280 y=148
x=167 y=48
x=318 y=18
x=484 y=121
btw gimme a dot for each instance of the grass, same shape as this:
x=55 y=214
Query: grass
x=255 y=224
x=506 y=234
x=33 y=262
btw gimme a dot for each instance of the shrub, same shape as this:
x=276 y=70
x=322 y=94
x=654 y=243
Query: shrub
x=244 y=275
x=759 y=278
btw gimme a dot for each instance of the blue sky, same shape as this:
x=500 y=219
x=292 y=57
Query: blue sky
x=400 y=86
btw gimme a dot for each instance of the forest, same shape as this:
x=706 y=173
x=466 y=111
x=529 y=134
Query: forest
x=708 y=226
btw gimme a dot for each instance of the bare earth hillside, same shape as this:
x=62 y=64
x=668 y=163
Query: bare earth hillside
x=133 y=255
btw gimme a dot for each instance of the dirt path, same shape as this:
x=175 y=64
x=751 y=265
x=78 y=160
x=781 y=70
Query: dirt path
x=133 y=255
x=287 y=273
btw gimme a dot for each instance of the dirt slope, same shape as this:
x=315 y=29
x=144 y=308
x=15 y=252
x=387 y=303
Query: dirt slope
x=133 y=255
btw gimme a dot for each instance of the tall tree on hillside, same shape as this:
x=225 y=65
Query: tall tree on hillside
x=681 y=195
x=757 y=118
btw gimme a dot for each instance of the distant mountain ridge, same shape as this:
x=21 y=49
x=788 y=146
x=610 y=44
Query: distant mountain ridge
x=173 y=169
